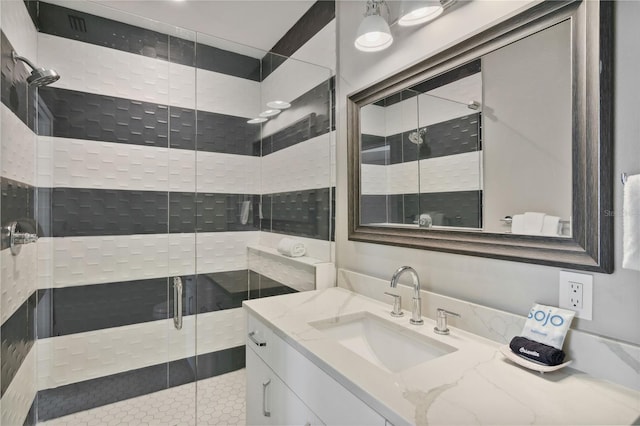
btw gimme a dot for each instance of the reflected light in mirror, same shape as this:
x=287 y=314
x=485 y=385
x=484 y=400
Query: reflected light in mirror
x=269 y=113
x=278 y=105
x=257 y=120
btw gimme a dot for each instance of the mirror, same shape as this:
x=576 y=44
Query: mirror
x=497 y=147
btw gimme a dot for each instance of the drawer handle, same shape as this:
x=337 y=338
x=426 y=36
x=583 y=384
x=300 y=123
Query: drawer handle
x=253 y=338
x=264 y=399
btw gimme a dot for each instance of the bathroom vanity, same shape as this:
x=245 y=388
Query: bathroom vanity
x=336 y=357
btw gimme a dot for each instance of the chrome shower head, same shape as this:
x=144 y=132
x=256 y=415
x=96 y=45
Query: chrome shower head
x=39 y=76
x=417 y=137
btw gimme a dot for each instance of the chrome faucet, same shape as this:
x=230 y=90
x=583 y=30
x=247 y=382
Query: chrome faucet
x=416 y=312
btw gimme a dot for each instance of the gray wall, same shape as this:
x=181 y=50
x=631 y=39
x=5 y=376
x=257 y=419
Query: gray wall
x=510 y=286
x=527 y=164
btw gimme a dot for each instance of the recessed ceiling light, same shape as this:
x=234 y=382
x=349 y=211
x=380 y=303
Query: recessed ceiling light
x=278 y=104
x=269 y=113
x=256 y=120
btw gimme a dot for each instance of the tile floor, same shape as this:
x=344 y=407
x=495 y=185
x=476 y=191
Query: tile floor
x=220 y=401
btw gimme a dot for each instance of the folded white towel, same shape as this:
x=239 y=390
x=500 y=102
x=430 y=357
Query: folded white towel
x=533 y=223
x=551 y=226
x=291 y=248
x=631 y=224
x=517 y=224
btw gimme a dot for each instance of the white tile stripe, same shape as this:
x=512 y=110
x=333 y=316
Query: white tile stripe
x=459 y=172
x=18 y=159
x=17 y=400
x=305 y=165
x=19 y=279
x=76 y=357
x=111 y=72
x=75 y=261
x=79 y=163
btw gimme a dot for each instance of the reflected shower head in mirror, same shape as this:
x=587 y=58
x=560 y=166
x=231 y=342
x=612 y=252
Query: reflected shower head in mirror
x=39 y=76
x=417 y=137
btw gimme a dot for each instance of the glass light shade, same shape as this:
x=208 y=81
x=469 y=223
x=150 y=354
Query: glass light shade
x=257 y=120
x=269 y=113
x=278 y=104
x=419 y=12
x=373 y=34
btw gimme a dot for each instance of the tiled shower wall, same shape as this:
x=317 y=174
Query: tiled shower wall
x=138 y=173
x=18 y=281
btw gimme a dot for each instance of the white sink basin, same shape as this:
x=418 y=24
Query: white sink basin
x=385 y=344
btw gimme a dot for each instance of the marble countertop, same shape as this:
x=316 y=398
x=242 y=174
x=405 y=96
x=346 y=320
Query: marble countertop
x=473 y=385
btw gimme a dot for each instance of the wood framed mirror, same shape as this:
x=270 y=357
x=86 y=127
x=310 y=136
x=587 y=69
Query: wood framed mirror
x=499 y=146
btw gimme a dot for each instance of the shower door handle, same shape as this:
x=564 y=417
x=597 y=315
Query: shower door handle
x=177 y=302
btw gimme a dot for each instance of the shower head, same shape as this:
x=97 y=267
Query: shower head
x=39 y=76
x=417 y=137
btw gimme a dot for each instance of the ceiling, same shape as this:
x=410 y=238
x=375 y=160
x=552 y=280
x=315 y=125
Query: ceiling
x=254 y=23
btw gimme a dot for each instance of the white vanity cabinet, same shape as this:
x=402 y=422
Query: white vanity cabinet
x=286 y=388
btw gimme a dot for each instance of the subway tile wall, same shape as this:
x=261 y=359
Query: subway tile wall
x=139 y=179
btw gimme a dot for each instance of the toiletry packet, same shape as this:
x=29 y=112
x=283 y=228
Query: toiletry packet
x=548 y=325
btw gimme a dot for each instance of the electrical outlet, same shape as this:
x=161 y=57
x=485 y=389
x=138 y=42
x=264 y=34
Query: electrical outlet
x=576 y=293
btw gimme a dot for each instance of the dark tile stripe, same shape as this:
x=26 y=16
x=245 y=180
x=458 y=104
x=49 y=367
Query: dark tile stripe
x=315 y=19
x=17 y=204
x=317 y=105
x=456 y=208
x=78 y=309
x=227 y=134
x=304 y=213
x=17 y=337
x=455 y=136
x=374 y=150
x=76 y=212
x=75 y=397
x=451 y=137
x=90 y=212
x=76 y=25
x=226 y=62
x=14 y=91
x=81 y=115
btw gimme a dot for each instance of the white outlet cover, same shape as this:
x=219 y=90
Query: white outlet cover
x=586 y=280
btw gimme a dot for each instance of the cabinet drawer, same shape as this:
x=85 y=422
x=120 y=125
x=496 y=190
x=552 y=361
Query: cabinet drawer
x=259 y=338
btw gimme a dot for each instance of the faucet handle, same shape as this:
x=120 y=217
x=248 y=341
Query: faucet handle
x=397 y=301
x=441 y=320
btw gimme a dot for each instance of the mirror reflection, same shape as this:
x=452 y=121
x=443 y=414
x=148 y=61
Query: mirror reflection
x=485 y=146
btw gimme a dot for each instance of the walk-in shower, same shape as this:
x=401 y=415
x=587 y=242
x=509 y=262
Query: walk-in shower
x=39 y=76
x=157 y=210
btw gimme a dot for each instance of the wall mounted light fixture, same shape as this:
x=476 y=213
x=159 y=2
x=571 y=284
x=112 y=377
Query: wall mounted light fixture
x=374 y=32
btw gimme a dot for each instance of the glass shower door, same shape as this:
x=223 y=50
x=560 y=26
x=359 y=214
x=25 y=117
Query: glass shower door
x=116 y=200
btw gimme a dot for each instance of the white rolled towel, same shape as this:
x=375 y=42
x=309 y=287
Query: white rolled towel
x=631 y=224
x=291 y=248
